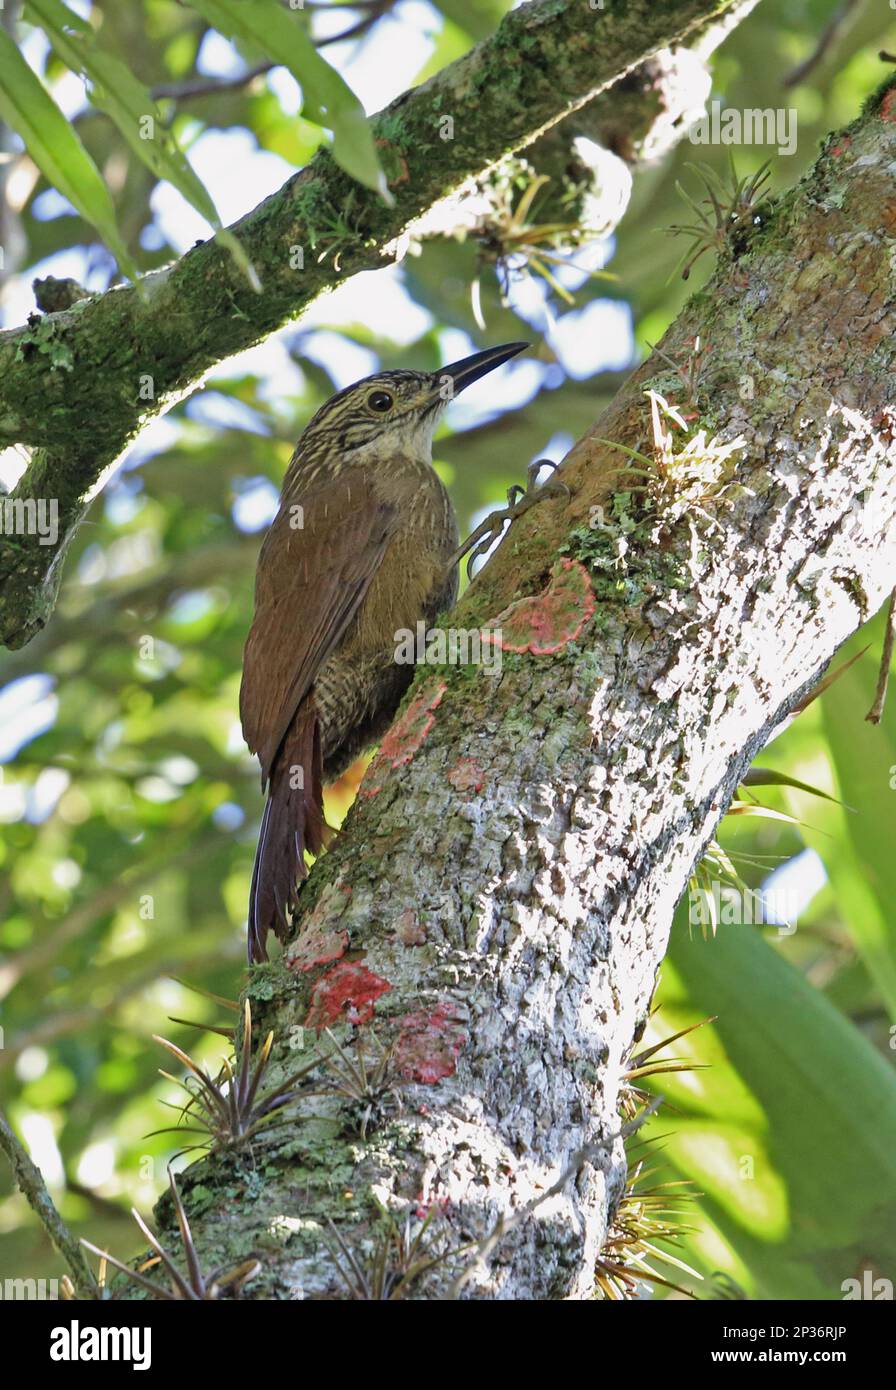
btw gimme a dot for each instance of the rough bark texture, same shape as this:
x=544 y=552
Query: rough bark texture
x=500 y=900
x=78 y=385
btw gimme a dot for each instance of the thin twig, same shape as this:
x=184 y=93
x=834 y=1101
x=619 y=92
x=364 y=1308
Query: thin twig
x=826 y=681
x=832 y=31
x=30 y=1182
x=49 y=945
x=875 y=714
x=208 y=86
x=192 y=87
x=213 y=86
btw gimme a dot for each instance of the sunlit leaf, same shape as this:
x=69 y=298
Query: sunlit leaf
x=56 y=148
x=827 y=1101
x=115 y=90
x=863 y=872
x=328 y=100
x=767 y=777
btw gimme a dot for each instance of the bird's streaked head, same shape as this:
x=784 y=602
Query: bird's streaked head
x=396 y=412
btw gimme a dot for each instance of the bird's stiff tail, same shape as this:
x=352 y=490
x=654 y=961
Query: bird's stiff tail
x=293 y=821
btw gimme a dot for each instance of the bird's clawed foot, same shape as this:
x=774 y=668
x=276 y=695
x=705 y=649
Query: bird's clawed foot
x=519 y=500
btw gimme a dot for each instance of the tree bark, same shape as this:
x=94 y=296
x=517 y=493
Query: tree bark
x=498 y=905
x=78 y=385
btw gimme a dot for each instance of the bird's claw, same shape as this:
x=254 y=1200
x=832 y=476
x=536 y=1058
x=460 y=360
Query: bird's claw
x=519 y=500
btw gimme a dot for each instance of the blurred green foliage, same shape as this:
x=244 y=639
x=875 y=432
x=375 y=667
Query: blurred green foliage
x=129 y=819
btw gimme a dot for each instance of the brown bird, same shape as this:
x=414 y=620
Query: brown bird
x=364 y=543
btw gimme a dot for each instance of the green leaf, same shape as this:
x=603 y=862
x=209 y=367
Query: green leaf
x=328 y=100
x=863 y=872
x=115 y=90
x=55 y=147
x=768 y=777
x=749 y=808
x=452 y=43
x=795 y=1101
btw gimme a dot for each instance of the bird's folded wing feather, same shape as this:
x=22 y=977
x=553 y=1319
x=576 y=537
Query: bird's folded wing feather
x=311 y=581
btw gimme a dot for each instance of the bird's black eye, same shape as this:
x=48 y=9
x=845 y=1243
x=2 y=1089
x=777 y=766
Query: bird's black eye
x=380 y=401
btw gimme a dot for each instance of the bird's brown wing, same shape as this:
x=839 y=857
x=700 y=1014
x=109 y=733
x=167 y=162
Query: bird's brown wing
x=311 y=580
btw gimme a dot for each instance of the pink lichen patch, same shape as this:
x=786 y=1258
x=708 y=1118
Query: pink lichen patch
x=888 y=106
x=429 y=1043
x=407 y=734
x=316 y=947
x=431 y=1206
x=547 y=622
x=409 y=931
x=466 y=776
x=841 y=147
x=348 y=990
x=405 y=737
x=321 y=940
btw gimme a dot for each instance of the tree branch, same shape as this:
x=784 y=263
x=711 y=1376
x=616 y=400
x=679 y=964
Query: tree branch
x=31 y=1184
x=79 y=385
x=831 y=33
x=497 y=905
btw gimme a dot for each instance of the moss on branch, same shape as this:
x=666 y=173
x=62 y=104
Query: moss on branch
x=81 y=383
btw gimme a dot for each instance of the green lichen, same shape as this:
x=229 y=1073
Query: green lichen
x=269 y=981
x=626 y=565
x=44 y=336
x=873 y=103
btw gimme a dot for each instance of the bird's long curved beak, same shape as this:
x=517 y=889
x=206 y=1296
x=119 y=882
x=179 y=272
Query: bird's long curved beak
x=457 y=376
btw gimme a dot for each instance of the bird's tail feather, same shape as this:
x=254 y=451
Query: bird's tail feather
x=293 y=821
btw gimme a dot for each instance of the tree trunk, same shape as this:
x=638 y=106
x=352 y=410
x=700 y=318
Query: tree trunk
x=498 y=905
